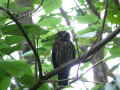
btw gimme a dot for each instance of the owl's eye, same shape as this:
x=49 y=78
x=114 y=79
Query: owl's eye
x=59 y=34
x=66 y=35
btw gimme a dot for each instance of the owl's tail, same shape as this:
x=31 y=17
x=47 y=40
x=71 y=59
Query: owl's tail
x=63 y=75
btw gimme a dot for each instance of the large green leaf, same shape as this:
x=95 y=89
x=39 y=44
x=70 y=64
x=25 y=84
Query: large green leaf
x=44 y=87
x=4 y=82
x=12 y=5
x=87 y=30
x=115 y=50
x=9 y=50
x=26 y=69
x=28 y=28
x=113 y=15
x=97 y=87
x=81 y=2
x=3 y=1
x=52 y=21
x=3 y=44
x=15 y=67
x=49 y=38
x=87 y=19
x=2 y=18
x=116 y=39
x=40 y=50
x=23 y=9
x=51 y=5
x=13 y=39
x=27 y=80
x=113 y=68
x=111 y=57
x=48 y=43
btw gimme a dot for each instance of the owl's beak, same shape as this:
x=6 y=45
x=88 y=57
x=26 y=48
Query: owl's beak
x=63 y=37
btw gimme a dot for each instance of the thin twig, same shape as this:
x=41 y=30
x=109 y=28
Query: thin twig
x=87 y=71
x=8 y=5
x=92 y=82
x=2 y=57
x=30 y=13
x=87 y=53
x=79 y=8
x=78 y=55
x=84 y=85
x=57 y=80
x=103 y=23
x=38 y=7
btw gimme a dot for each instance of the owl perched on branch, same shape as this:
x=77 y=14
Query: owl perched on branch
x=63 y=51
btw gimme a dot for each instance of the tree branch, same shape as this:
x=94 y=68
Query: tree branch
x=91 y=5
x=28 y=40
x=95 y=48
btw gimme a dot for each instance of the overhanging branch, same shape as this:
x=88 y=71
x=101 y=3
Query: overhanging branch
x=28 y=40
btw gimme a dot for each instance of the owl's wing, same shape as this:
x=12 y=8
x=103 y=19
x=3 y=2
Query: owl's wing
x=53 y=58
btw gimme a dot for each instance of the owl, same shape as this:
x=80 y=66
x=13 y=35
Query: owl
x=63 y=51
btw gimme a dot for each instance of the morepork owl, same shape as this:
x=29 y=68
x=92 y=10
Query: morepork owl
x=63 y=51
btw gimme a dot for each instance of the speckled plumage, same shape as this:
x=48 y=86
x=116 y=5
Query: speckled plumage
x=63 y=52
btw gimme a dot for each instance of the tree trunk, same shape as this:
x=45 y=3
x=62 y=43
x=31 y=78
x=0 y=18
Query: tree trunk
x=25 y=20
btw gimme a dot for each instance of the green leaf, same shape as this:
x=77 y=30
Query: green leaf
x=12 y=5
x=49 y=38
x=23 y=9
x=97 y=87
x=26 y=69
x=9 y=50
x=5 y=83
x=51 y=5
x=2 y=18
x=28 y=53
x=113 y=15
x=83 y=78
x=26 y=80
x=115 y=50
x=40 y=50
x=3 y=44
x=87 y=19
x=48 y=43
x=87 y=30
x=15 y=67
x=44 y=87
x=28 y=28
x=3 y=1
x=12 y=30
x=111 y=57
x=47 y=57
x=116 y=39
x=52 y=21
x=81 y=2
x=13 y=39
x=113 y=68
x=47 y=67
x=10 y=68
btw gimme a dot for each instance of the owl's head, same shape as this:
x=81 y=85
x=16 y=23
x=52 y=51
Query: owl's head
x=63 y=36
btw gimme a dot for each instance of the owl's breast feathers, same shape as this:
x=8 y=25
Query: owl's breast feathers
x=63 y=52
